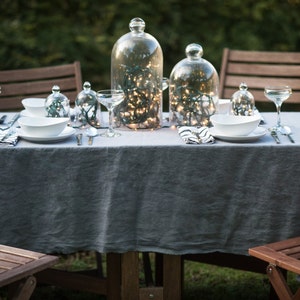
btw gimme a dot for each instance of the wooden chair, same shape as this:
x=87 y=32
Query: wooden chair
x=17 y=270
x=258 y=69
x=280 y=256
x=38 y=82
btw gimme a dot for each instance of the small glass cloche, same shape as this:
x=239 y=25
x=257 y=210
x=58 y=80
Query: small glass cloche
x=242 y=101
x=87 y=106
x=57 y=104
x=193 y=89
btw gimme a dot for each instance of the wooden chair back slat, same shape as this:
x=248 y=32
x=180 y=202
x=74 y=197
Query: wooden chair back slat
x=258 y=69
x=38 y=82
x=259 y=96
x=288 y=71
x=263 y=56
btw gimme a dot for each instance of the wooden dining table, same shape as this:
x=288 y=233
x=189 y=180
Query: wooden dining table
x=149 y=191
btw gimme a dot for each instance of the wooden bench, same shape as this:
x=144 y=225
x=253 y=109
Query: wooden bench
x=17 y=267
x=282 y=256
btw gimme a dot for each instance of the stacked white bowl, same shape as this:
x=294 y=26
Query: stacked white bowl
x=42 y=127
x=235 y=125
x=36 y=124
x=35 y=106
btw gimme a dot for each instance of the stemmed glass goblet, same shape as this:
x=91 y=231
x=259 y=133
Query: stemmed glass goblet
x=110 y=99
x=278 y=94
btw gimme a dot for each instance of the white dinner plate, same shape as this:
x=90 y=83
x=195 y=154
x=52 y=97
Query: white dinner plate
x=26 y=113
x=253 y=136
x=67 y=132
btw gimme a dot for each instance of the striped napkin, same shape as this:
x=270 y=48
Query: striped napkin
x=9 y=137
x=195 y=135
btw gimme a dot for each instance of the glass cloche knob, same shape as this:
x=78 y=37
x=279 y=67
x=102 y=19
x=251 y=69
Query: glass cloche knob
x=243 y=101
x=194 y=51
x=137 y=25
x=57 y=104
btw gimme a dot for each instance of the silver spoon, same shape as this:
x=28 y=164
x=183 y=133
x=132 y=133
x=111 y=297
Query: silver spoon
x=285 y=130
x=91 y=132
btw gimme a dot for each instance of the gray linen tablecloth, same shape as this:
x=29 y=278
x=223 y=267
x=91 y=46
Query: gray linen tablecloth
x=148 y=191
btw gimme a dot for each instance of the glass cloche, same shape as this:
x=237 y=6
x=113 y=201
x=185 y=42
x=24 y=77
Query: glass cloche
x=137 y=69
x=57 y=104
x=242 y=101
x=87 y=107
x=193 y=89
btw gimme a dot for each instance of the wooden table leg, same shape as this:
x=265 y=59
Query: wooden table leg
x=172 y=279
x=113 y=269
x=130 y=276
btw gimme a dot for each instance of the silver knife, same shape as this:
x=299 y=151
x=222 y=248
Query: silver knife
x=11 y=122
x=8 y=134
x=275 y=136
x=14 y=119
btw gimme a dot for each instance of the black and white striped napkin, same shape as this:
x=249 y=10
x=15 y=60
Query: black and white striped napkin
x=195 y=135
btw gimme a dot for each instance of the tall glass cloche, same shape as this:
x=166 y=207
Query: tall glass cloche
x=137 y=69
x=193 y=89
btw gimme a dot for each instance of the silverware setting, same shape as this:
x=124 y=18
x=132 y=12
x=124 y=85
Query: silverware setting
x=91 y=132
x=79 y=139
x=285 y=130
x=274 y=135
x=11 y=122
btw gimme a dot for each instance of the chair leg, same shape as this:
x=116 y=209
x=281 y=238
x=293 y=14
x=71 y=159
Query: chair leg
x=297 y=295
x=22 y=290
x=99 y=264
x=147 y=269
x=279 y=283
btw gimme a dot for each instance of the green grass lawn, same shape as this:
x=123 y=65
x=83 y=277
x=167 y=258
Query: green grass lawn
x=201 y=281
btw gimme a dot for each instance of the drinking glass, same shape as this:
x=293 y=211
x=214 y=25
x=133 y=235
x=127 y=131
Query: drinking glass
x=110 y=99
x=278 y=94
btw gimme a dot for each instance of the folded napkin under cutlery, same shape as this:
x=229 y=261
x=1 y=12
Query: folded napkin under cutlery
x=195 y=135
x=9 y=137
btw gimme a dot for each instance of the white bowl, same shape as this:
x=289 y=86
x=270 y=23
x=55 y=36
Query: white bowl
x=224 y=106
x=235 y=125
x=42 y=127
x=35 y=106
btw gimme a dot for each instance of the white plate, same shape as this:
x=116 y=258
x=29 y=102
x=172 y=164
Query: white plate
x=253 y=136
x=26 y=113
x=67 y=132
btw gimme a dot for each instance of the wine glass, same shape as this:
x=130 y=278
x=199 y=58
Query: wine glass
x=278 y=94
x=110 y=99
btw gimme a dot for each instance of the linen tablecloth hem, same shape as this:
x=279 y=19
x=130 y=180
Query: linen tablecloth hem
x=151 y=249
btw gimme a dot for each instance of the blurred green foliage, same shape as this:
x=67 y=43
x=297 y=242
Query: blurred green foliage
x=40 y=33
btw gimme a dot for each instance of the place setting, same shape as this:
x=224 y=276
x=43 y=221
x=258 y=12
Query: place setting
x=234 y=120
x=234 y=128
x=51 y=119
x=45 y=120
